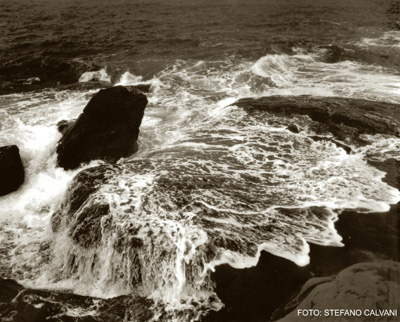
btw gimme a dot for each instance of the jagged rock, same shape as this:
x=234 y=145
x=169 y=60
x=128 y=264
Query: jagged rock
x=107 y=129
x=63 y=126
x=345 y=118
x=40 y=72
x=18 y=304
x=365 y=286
x=11 y=169
x=79 y=213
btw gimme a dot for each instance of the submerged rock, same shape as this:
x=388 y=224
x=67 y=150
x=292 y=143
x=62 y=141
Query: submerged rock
x=41 y=72
x=371 y=288
x=11 y=169
x=107 y=129
x=145 y=88
x=345 y=118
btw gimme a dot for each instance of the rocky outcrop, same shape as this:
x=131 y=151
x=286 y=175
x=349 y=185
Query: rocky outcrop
x=81 y=214
x=107 y=129
x=41 y=72
x=11 y=169
x=145 y=88
x=345 y=118
x=369 y=289
x=18 y=304
x=264 y=292
x=64 y=126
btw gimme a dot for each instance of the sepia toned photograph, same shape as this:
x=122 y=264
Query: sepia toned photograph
x=199 y=160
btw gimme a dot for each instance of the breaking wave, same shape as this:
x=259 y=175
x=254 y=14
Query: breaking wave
x=211 y=184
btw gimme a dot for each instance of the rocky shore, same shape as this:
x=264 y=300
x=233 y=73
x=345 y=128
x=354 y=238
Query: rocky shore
x=275 y=288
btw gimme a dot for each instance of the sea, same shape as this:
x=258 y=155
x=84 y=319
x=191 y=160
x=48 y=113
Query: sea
x=211 y=183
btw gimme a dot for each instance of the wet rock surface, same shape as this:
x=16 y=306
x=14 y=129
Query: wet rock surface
x=19 y=304
x=41 y=72
x=368 y=287
x=112 y=117
x=345 y=118
x=275 y=287
x=80 y=213
x=11 y=169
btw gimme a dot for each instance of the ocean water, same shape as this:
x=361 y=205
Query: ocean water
x=211 y=183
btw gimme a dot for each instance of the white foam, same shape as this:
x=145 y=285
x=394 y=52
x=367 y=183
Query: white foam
x=389 y=39
x=381 y=148
x=211 y=183
x=128 y=79
x=100 y=76
x=303 y=74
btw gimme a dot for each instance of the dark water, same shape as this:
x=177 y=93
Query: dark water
x=145 y=36
x=211 y=183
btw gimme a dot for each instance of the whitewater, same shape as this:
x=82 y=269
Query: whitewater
x=211 y=183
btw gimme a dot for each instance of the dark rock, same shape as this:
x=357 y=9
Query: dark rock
x=267 y=291
x=107 y=129
x=368 y=237
x=11 y=169
x=86 y=229
x=345 y=118
x=293 y=128
x=364 y=286
x=63 y=126
x=29 y=305
x=334 y=54
x=339 y=144
x=41 y=72
x=81 y=216
x=145 y=88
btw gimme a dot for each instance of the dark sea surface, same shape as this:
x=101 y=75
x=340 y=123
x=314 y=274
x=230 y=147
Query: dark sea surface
x=211 y=183
x=146 y=36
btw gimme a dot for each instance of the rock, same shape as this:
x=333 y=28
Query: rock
x=107 y=129
x=339 y=144
x=42 y=71
x=63 y=126
x=293 y=128
x=11 y=169
x=334 y=54
x=23 y=305
x=364 y=286
x=81 y=214
x=345 y=118
x=145 y=88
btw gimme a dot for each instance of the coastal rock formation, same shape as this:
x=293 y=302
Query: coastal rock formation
x=107 y=129
x=18 y=304
x=372 y=288
x=11 y=169
x=63 y=126
x=41 y=72
x=79 y=210
x=345 y=118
